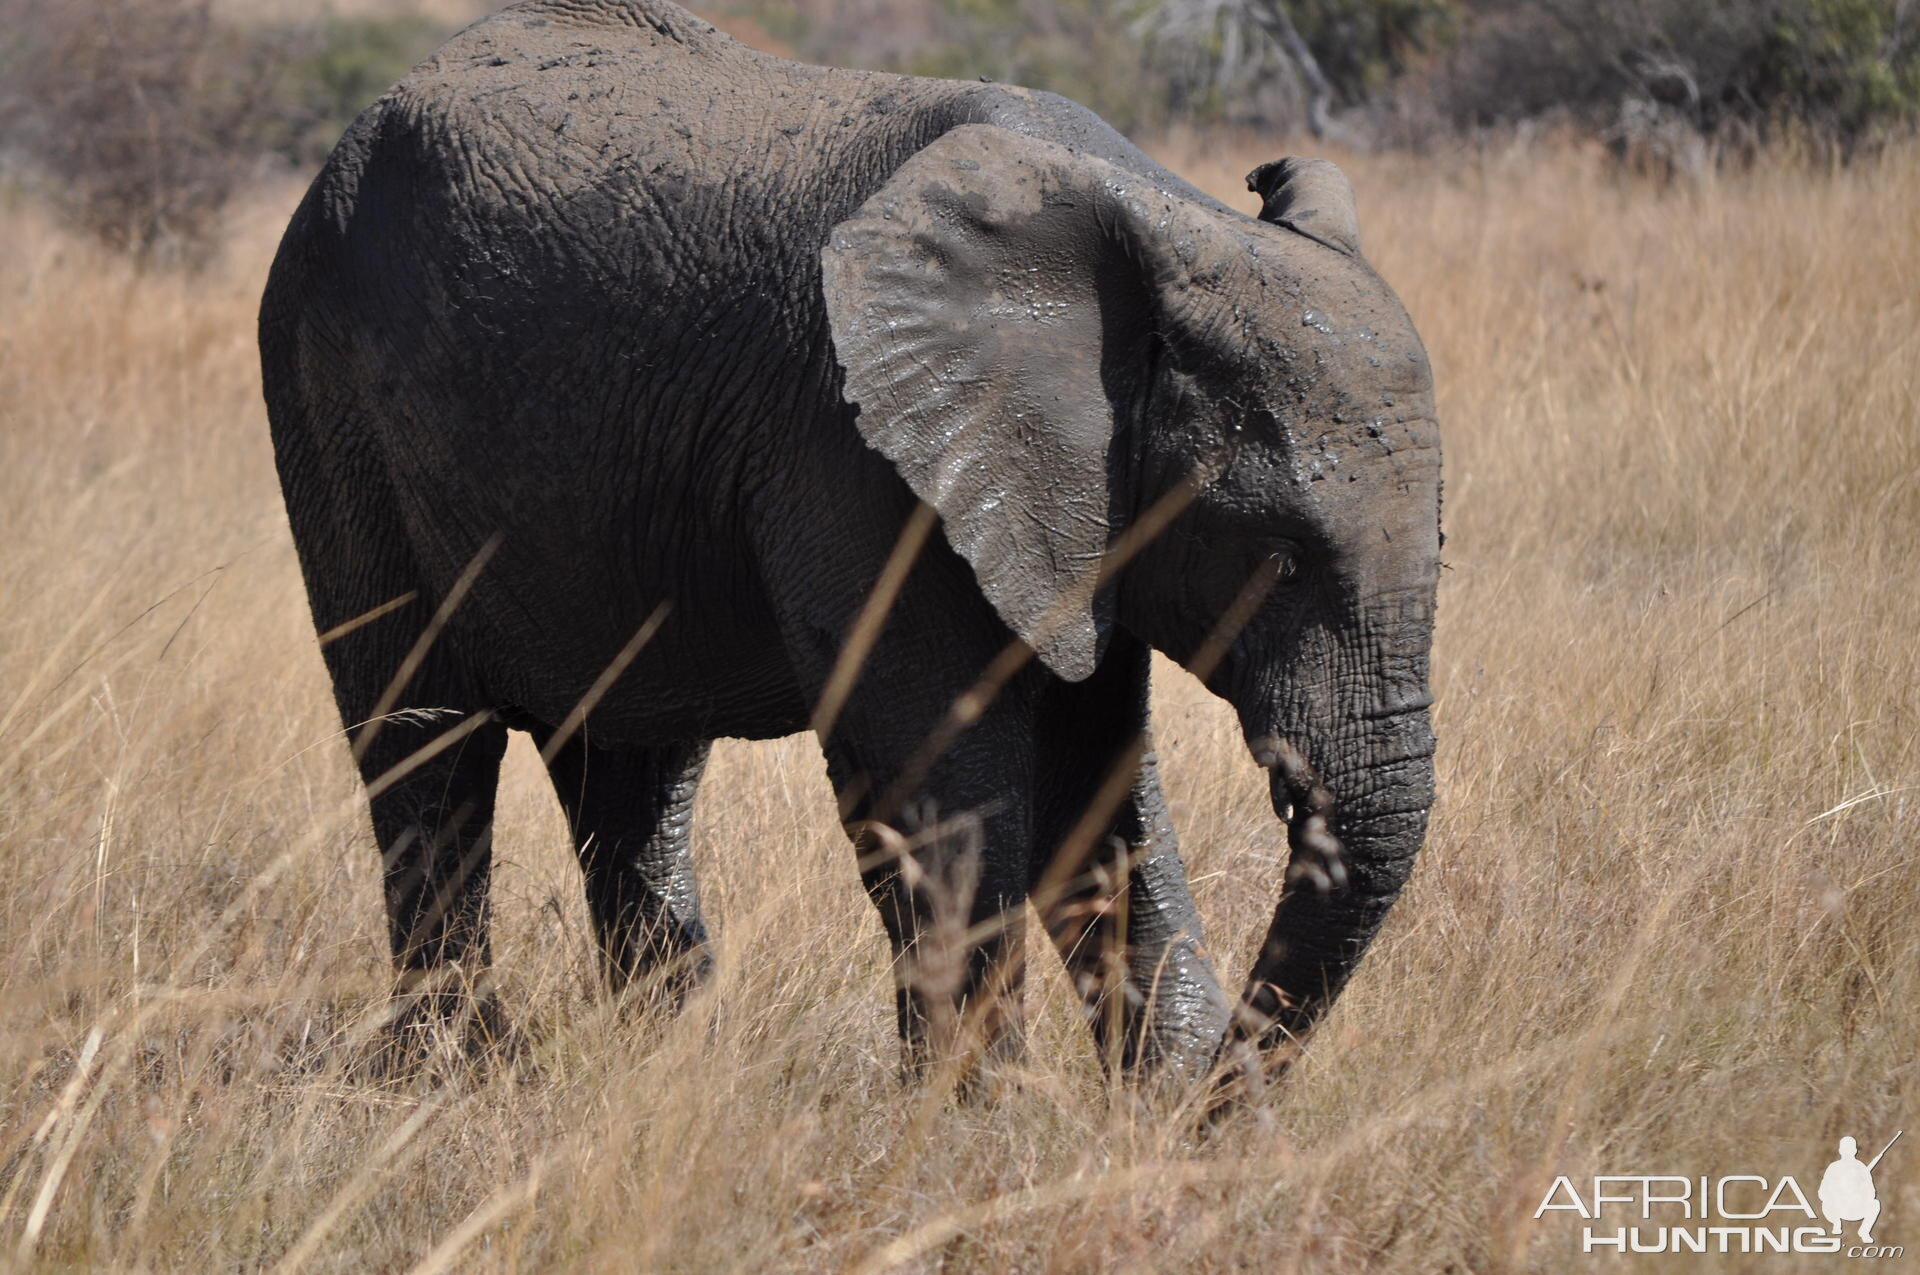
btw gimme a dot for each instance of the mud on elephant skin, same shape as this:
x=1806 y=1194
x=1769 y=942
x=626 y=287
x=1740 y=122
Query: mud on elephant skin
x=635 y=388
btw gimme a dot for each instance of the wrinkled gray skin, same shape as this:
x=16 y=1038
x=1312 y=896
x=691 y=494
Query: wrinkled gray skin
x=601 y=316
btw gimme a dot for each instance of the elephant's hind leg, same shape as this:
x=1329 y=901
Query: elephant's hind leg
x=432 y=773
x=631 y=813
x=1108 y=881
x=429 y=752
x=428 y=749
x=423 y=732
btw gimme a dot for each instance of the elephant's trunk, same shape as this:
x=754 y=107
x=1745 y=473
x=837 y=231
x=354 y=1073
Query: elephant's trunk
x=1353 y=830
x=1301 y=798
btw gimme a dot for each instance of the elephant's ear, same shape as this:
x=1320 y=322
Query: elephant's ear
x=976 y=300
x=1310 y=197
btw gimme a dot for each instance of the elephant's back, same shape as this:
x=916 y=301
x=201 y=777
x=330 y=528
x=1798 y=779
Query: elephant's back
x=570 y=179
x=596 y=120
x=588 y=89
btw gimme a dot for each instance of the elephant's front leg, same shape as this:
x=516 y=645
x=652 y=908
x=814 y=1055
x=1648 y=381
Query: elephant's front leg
x=631 y=814
x=1108 y=880
x=944 y=857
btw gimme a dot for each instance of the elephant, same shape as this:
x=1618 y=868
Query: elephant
x=634 y=388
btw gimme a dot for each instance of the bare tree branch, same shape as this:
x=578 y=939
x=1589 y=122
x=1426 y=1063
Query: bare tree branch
x=1273 y=18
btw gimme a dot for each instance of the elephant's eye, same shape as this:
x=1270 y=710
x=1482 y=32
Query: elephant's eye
x=1284 y=561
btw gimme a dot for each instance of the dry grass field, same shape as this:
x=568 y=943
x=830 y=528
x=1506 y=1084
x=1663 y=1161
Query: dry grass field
x=1666 y=922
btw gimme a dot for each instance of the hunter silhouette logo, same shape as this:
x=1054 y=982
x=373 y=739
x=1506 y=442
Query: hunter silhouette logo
x=1734 y=1213
x=1846 y=1190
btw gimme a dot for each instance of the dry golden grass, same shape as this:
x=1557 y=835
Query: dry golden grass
x=1665 y=923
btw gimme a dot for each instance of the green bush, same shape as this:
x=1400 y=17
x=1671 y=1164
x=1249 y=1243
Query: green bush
x=138 y=119
x=343 y=65
x=1081 y=48
x=1848 y=66
x=1840 y=68
x=1085 y=49
x=142 y=118
x=1363 y=46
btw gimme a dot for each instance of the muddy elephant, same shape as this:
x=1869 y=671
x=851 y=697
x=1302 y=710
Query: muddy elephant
x=634 y=388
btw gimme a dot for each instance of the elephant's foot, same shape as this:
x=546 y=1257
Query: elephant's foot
x=972 y=1074
x=660 y=981
x=439 y=1023
x=972 y=1051
x=1163 y=1031
x=1245 y=1073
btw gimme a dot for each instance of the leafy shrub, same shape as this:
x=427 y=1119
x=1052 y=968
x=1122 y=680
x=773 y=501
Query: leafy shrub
x=1363 y=46
x=1088 y=50
x=1849 y=66
x=1841 y=68
x=1635 y=71
x=342 y=65
x=140 y=119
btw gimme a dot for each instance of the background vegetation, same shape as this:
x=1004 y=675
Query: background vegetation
x=142 y=119
x=1664 y=923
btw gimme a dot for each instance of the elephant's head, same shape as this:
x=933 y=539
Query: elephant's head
x=1075 y=367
